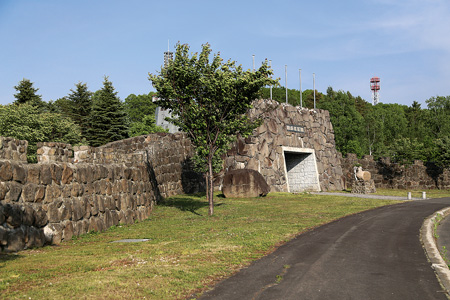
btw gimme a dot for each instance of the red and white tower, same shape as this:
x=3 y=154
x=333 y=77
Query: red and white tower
x=375 y=87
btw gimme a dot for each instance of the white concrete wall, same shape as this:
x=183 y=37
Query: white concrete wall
x=160 y=116
x=301 y=169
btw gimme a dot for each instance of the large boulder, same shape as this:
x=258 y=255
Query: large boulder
x=244 y=183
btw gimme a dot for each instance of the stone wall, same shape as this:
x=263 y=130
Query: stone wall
x=13 y=149
x=264 y=150
x=74 y=190
x=168 y=157
x=394 y=176
x=118 y=183
x=47 y=203
x=54 y=152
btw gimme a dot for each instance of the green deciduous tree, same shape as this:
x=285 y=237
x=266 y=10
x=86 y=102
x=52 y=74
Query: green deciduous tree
x=107 y=121
x=439 y=109
x=139 y=106
x=27 y=122
x=140 y=111
x=209 y=101
x=406 y=150
x=308 y=98
x=443 y=151
x=146 y=126
x=416 y=122
x=394 y=120
x=374 y=132
x=61 y=106
x=347 y=122
x=362 y=106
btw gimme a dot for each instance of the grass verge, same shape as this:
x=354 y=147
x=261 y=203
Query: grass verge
x=187 y=251
x=414 y=193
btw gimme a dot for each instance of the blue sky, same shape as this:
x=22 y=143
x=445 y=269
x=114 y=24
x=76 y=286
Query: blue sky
x=56 y=44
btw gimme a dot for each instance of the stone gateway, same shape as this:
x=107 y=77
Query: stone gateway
x=294 y=149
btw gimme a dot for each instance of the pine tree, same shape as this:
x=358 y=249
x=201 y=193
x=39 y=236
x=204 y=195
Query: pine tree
x=26 y=93
x=80 y=106
x=107 y=117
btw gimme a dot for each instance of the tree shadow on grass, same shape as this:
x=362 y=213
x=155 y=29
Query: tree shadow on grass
x=190 y=203
x=191 y=181
x=5 y=257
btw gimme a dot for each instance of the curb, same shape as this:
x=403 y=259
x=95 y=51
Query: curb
x=434 y=256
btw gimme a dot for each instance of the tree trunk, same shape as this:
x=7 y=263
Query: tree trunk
x=209 y=187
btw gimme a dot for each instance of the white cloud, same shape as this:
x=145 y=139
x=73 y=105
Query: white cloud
x=418 y=24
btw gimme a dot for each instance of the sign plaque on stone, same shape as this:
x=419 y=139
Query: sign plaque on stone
x=295 y=128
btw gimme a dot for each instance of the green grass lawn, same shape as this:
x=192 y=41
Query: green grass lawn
x=188 y=251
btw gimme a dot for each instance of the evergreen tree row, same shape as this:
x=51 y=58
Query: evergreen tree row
x=81 y=117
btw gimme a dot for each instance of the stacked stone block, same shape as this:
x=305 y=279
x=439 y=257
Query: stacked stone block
x=363 y=187
x=13 y=149
x=166 y=155
x=59 y=200
x=387 y=174
x=54 y=152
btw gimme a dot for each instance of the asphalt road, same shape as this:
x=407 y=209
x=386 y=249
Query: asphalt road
x=372 y=255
